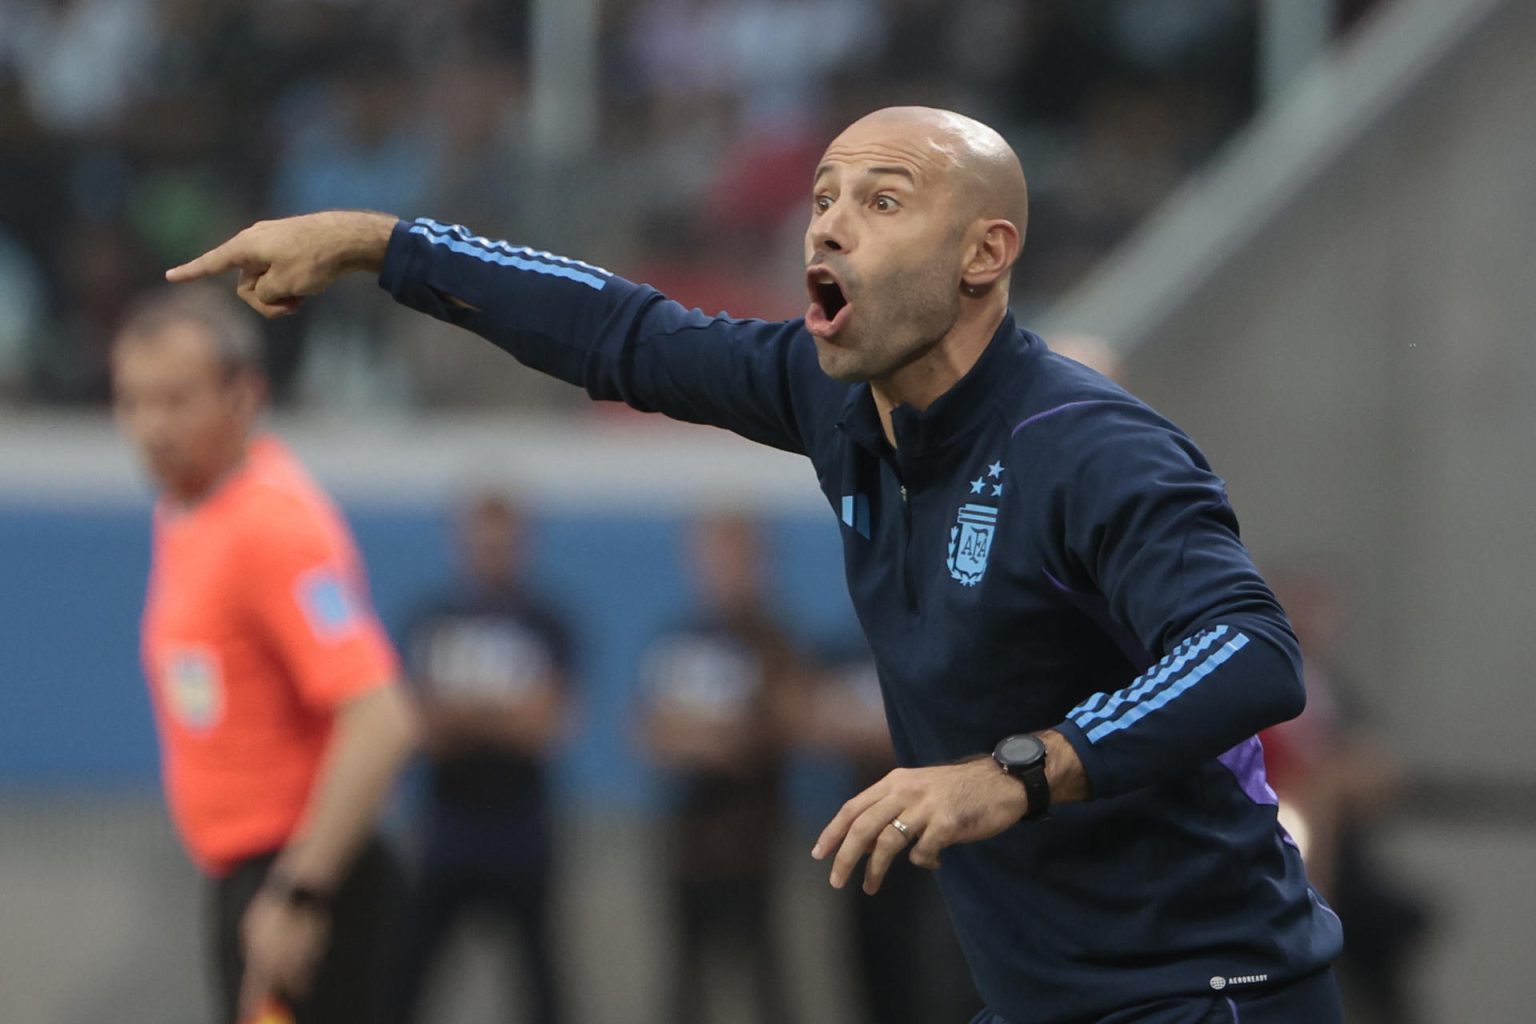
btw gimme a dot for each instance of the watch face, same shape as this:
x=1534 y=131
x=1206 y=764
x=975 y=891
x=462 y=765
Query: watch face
x=1021 y=750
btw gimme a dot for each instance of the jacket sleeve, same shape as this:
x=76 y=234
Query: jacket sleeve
x=1145 y=529
x=618 y=340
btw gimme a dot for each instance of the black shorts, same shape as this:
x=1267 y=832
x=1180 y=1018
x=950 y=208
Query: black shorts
x=351 y=985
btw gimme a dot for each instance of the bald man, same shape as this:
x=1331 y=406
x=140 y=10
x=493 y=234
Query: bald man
x=1065 y=622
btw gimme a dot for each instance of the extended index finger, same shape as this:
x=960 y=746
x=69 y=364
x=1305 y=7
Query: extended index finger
x=215 y=261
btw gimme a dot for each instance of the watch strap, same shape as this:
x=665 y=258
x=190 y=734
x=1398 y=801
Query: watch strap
x=298 y=895
x=1037 y=788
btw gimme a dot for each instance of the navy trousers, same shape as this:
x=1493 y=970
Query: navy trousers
x=1311 y=1000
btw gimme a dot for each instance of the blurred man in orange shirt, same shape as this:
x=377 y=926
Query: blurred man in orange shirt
x=277 y=698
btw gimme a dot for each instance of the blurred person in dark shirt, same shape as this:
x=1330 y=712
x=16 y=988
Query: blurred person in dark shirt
x=493 y=665
x=715 y=690
x=1337 y=784
x=909 y=967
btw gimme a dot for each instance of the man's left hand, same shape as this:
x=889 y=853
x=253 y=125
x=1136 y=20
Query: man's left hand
x=283 y=946
x=940 y=806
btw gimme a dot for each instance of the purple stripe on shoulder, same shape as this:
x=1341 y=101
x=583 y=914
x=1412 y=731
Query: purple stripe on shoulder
x=1056 y=409
x=1236 y=1018
x=1246 y=761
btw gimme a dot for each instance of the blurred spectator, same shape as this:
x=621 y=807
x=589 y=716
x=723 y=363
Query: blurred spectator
x=716 y=689
x=354 y=140
x=21 y=310
x=464 y=31
x=1336 y=786
x=702 y=270
x=100 y=269
x=355 y=137
x=776 y=54
x=909 y=968
x=492 y=663
x=81 y=62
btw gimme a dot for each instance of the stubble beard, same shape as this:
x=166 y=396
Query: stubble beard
x=920 y=308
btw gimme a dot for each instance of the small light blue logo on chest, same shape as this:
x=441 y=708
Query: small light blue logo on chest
x=856 y=513
x=970 y=539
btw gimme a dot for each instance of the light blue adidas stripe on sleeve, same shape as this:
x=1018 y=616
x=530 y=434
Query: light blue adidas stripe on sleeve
x=1193 y=660
x=459 y=240
x=1097 y=706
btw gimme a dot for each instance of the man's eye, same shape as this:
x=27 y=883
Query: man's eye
x=823 y=202
x=885 y=204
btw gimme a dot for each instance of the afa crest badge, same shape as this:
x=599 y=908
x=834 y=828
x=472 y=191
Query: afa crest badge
x=970 y=539
x=970 y=542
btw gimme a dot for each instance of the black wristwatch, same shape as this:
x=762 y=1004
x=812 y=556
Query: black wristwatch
x=298 y=895
x=1023 y=756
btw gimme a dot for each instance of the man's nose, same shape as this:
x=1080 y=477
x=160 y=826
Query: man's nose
x=832 y=231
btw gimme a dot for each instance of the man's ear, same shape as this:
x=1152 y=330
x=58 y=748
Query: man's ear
x=992 y=256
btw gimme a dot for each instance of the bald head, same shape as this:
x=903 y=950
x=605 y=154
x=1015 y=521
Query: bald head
x=917 y=219
x=988 y=180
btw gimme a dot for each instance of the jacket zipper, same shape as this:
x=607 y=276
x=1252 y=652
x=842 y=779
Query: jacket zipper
x=906 y=548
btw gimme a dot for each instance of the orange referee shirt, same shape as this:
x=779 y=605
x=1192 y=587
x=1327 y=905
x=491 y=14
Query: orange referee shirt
x=256 y=629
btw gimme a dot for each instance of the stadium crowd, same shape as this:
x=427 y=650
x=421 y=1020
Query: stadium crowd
x=134 y=132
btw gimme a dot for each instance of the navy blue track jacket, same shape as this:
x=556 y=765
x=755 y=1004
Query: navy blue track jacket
x=1039 y=550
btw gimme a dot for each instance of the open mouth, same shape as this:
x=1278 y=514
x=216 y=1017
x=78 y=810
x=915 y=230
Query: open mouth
x=825 y=316
x=830 y=294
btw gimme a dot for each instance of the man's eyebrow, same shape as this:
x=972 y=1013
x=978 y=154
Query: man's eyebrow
x=873 y=171
x=892 y=169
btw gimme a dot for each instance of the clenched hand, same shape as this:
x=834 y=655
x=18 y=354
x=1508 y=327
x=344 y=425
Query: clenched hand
x=283 y=946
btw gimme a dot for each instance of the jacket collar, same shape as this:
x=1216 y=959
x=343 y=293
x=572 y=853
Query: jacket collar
x=953 y=416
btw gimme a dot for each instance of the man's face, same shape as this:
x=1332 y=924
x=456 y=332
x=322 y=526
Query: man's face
x=188 y=415
x=883 y=251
